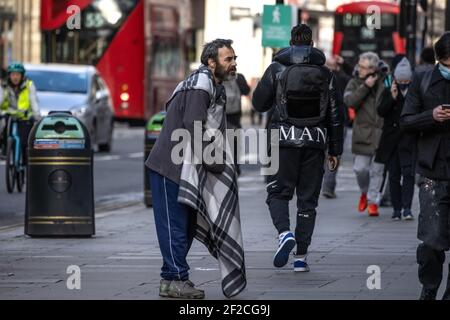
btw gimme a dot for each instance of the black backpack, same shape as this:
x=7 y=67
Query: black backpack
x=302 y=95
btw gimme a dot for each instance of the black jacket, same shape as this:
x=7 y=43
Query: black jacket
x=433 y=146
x=342 y=80
x=393 y=138
x=183 y=110
x=264 y=98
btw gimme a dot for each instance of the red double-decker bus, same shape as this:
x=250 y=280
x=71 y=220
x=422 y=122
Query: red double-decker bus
x=138 y=46
x=355 y=32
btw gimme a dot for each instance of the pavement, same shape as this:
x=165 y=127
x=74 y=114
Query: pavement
x=123 y=260
x=118 y=178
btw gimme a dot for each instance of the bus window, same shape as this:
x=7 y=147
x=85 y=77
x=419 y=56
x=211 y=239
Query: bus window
x=167 y=60
x=351 y=20
x=100 y=21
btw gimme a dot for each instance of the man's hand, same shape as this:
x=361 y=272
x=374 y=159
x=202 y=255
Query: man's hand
x=440 y=114
x=394 y=90
x=333 y=163
x=371 y=80
x=339 y=59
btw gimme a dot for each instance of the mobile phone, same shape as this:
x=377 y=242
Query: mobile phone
x=446 y=106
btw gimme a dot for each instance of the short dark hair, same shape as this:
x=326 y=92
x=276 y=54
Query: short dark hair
x=301 y=34
x=211 y=49
x=427 y=55
x=442 y=47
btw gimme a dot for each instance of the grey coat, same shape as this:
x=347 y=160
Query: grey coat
x=367 y=126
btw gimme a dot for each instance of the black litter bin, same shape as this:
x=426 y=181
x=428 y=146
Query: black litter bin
x=152 y=132
x=60 y=188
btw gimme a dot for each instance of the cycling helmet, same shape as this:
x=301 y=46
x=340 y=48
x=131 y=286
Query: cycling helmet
x=16 y=67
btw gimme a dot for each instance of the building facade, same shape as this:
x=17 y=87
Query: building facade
x=20 y=36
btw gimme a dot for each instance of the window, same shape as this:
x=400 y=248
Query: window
x=352 y=20
x=100 y=22
x=167 y=60
x=57 y=81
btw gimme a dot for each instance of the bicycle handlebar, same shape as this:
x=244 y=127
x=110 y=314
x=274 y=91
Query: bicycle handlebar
x=13 y=113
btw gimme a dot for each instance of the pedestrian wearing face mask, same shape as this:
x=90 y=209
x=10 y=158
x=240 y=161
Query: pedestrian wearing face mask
x=395 y=148
x=426 y=112
x=361 y=94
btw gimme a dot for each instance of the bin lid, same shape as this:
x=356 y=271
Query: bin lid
x=156 y=122
x=60 y=127
x=59 y=131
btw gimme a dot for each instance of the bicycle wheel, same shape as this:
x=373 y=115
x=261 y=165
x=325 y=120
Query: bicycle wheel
x=20 y=176
x=10 y=168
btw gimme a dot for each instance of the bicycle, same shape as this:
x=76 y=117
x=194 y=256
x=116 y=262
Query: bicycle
x=15 y=167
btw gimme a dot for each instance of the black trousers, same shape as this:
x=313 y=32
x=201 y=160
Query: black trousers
x=434 y=231
x=402 y=192
x=301 y=171
x=431 y=263
x=24 y=129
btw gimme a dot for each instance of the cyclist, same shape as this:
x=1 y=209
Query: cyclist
x=18 y=99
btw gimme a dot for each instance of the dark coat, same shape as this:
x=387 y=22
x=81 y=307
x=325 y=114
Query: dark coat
x=367 y=124
x=393 y=138
x=433 y=146
x=342 y=80
x=264 y=97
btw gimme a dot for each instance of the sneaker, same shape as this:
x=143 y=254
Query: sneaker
x=184 y=290
x=407 y=215
x=164 y=288
x=329 y=194
x=385 y=203
x=285 y=246
x=300 y=264
x=362 y=206
x=397 y=216
x=373 y=210
x=446 y=295
x=428 y=294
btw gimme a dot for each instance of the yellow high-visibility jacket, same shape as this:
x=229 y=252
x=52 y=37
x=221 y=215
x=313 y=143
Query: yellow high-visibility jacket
x=24 y=102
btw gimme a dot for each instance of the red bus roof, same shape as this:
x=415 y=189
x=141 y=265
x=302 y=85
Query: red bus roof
x=54 y=12
x=361 y=7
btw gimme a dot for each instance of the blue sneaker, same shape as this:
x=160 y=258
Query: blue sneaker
x=300 y=264
x=407 y=215
x=287 y=243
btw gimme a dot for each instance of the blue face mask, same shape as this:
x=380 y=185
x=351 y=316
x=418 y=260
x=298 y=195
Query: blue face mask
x=444 y=71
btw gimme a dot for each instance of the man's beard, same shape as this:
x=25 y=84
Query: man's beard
x=223 y=75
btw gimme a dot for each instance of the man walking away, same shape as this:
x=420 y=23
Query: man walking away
x=302 y=93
